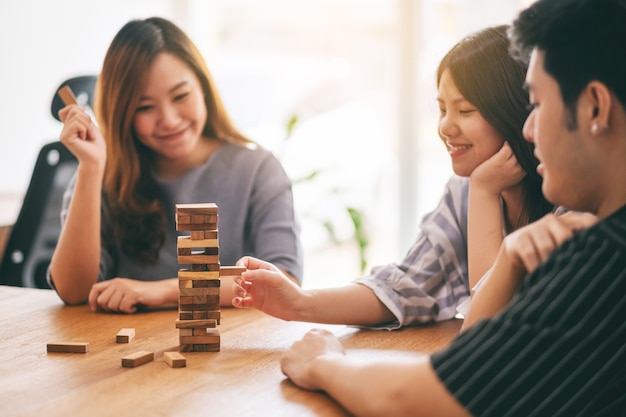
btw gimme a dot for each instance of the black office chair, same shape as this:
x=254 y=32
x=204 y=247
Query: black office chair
x=36 y=231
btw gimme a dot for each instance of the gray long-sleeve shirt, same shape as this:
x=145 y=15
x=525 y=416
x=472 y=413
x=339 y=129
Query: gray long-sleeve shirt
x=256 y=214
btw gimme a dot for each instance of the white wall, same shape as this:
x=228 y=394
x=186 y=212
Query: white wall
x=270 y=58
x=43 y=43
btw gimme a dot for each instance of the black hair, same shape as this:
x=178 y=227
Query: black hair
x=588 y=35
x=488 y=77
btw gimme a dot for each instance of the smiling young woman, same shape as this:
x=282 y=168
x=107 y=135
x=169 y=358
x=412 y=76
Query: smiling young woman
x=163 y=138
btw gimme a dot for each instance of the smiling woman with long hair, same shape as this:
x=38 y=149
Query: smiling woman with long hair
x=163 y=138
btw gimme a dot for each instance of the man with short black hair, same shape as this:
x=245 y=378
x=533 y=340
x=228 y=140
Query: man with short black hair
x=546 y=329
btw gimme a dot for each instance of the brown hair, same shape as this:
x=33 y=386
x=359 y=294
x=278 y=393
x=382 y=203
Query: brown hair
x=134 y=206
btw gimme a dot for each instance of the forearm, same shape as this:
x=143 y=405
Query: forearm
x=395 y=387
x=76 y=259
x=484 y=231
x=495 y=292
x=353 y=304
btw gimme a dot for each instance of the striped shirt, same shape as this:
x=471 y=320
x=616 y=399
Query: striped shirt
x=559 y=349
x=432 y=279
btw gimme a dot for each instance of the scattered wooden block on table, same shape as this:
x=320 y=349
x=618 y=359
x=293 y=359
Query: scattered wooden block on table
x=125 y=335
x=137 y=358
x=175 y=359
x=68 y=347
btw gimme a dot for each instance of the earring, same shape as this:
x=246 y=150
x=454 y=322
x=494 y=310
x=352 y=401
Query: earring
x=597 y=129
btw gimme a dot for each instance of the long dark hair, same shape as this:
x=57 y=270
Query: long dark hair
x=135 y=208
x=488 y=77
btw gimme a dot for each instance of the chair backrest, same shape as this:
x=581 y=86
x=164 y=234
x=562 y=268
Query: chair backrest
x=36 y=230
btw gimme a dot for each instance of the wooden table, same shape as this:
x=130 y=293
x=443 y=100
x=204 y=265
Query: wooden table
x=243 y=379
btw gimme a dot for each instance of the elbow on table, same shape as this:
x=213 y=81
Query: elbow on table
x=69 y=294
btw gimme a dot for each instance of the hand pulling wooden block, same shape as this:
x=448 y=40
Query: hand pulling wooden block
x=69 y=347
x=125 y=335
x=137 y=358
x=232 y=271
x=175 y=359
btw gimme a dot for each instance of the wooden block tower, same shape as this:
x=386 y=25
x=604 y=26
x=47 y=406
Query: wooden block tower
x=199 y=301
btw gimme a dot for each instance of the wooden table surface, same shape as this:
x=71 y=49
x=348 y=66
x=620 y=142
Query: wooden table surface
x=243 y=379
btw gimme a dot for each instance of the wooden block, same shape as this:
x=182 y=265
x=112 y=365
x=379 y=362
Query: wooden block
x=195 y=324
x=67 y=95
x=200 y=315
x=175 y=359
x=198 y=208
x=200 y=340
x=212 y=282
x=185 y=332
x=211 y=250
x=200 y=291
x=205 y=302
x=187 y=242
x=125 y=335
x=180 y=227
x=186 y=283
x=200 y=348
x=210 y=234
x=204 y=283
x=183 y=219
x=183 y=251
x=197 y=219
x=198 y=259
x=232 y=271
x=137 y=358
x=185 y=274
x=196 y=234
x=69 y=347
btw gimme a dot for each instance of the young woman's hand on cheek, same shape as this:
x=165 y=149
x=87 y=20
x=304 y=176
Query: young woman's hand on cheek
x=498 y=172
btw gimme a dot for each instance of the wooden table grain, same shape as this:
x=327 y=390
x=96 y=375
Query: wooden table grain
x=243 y=379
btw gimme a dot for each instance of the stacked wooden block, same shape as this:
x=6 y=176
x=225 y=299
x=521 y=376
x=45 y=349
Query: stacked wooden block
x=199 y=301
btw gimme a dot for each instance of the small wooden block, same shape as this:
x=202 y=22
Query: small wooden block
x=196 y=234
x=194 y=324
x=175 y=359
x=210 y=234
x=198 y=283
x=200 y=208
x=183 y=219
x=212 y=337
x=67 y=95
x=200 y=315
x=69 y=347
x=187 y=242
x=197 y=227
x=200 y=348
x=125 y=335
x=200 y=291
x=137 y=358
x=186 y=283
x=232 y=271
x=198 y=259
x=204 y=283
x=184 y=251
